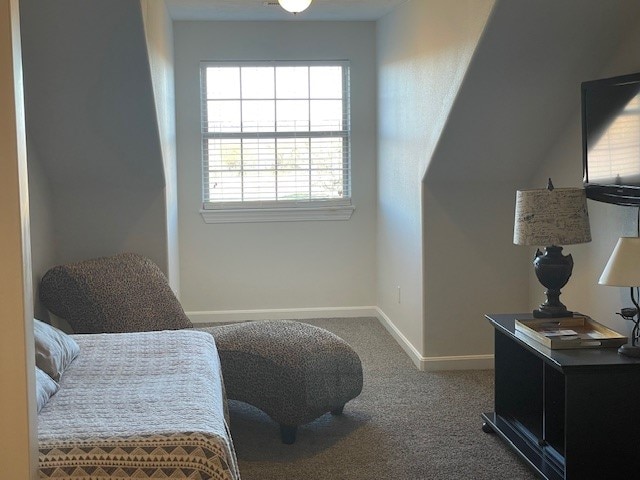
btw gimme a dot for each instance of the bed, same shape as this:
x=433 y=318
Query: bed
x=139 y=405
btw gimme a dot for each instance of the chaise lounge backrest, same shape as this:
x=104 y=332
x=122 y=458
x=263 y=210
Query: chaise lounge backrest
x=122 y=293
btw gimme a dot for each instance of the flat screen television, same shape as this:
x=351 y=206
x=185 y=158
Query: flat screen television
x=611 y=139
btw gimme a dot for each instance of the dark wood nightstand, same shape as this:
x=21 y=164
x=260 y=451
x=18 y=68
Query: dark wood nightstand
x=570 y=414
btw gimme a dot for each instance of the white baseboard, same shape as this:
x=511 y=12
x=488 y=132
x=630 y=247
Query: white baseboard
x=435 y=364
x=406 y=345
x=221 y=316
x=430 y=364
x=460 y=362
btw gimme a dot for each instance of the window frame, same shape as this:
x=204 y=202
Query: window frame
x=277 y=210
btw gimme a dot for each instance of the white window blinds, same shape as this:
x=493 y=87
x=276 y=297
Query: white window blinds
x=616 y=152
x=275 y=134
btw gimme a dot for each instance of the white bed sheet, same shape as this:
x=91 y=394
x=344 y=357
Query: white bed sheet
x=139 y=405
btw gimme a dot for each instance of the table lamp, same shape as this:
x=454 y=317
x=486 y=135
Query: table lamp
x=623 y=270
x=550 y=217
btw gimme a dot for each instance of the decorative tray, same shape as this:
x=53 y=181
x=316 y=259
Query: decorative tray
x=570 y=332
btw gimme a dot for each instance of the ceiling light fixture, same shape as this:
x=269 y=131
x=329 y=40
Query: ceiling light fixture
x=294 y=6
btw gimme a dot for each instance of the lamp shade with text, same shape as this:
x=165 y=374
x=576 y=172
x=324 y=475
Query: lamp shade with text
x=551 y=217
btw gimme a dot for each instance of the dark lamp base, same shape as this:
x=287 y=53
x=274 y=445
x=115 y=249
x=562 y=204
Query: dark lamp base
x=553 y=271
x=629 y=350
x=551 y=313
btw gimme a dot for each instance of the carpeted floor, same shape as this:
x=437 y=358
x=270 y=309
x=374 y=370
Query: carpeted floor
x=405 y=425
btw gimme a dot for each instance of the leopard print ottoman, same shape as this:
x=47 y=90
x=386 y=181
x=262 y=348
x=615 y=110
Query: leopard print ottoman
x=292 y=371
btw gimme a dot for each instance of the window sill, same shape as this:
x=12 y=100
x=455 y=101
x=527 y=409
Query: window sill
x=277 y=214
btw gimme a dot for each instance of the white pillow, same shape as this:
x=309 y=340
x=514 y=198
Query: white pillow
x=55 y=350
x=46 y=387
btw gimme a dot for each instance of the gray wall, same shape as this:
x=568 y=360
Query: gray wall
x=286 y=265
x=563 y=162
x=43 y=251
x=158 y=28
x=423 y=50
x=452 y=235
x=520 y=93
x=92 y=132
x=469 y=111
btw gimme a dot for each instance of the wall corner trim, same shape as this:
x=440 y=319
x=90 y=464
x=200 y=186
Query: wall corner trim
x=435 y=364
x=460 y=362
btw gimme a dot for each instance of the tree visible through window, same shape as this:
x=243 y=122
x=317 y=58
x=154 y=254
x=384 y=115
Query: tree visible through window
x=275 y=133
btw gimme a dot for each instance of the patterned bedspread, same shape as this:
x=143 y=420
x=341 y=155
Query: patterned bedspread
x=139 y=405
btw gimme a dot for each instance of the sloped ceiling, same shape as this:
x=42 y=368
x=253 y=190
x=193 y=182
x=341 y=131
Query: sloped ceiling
x=523 y=86
x=248 y=10
x=89 y=102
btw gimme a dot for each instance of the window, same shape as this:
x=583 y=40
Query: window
x=275 y=141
